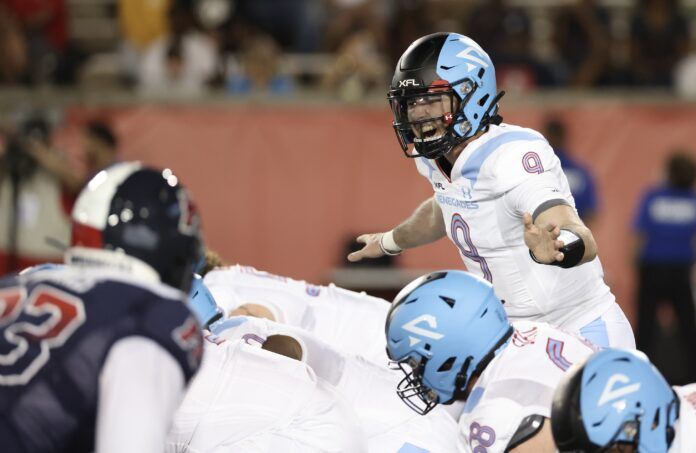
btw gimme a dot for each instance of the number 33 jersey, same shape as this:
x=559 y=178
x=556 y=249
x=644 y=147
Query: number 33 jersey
x=63 y=334
x=496 y=179
x=518 y=382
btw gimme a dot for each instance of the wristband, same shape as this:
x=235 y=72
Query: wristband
x=387 y=244
x=573 y=250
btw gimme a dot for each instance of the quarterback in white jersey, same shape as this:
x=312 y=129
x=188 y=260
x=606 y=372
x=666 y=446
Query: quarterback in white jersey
x=450 y=335
x=246 y=399
x=349 y=321
x=616 y=400
x=500 y=194
x=388 y=425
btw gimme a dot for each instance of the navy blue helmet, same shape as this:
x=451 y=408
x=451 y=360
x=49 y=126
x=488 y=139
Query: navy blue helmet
x=142 y=213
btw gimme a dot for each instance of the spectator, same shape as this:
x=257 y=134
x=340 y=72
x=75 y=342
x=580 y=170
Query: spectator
x=258 y=67
x=505 y=32
x=582 y=42
x=659 y=39
x=580 y=180
x=44 y=23
x=13 y=51
x=142 y=23
x=358 y=68
x=34 y=207
x=99 y=151
x=181 y=63
x=666 y=230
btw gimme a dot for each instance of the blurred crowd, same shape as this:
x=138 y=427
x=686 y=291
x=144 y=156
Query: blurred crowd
x=347 y=46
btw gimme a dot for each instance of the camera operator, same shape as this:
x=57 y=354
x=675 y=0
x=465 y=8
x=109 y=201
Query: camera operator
x=34 y=203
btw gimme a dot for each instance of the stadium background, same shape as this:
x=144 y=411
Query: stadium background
x=284 y=180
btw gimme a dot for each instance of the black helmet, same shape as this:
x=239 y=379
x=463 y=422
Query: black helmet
x=443 y=92
x=145 y=214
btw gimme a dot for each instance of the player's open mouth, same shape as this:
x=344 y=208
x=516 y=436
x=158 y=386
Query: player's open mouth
x=429 y=133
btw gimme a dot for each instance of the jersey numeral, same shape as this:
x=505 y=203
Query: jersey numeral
x=467 y=248
x=483 y=435
x=554 y=349
x=29 y=331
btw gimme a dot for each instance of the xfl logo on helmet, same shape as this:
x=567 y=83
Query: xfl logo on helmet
x=408 y=82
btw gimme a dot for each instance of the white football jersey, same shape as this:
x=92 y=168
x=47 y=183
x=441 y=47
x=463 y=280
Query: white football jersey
x=349 y=321
x=370 y=389
x=684 y=439
x=497 y=178
x=250 y=400
x=518 y=382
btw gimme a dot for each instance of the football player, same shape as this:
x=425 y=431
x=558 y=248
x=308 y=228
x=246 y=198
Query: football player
x=368 y=388
x=500 y=194
x=262 y=399
x=95 y=355
x=616 y=400
x=451 y=337
x=351 y=322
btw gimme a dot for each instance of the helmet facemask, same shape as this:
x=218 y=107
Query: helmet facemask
x=427 y=119
x=411 y=390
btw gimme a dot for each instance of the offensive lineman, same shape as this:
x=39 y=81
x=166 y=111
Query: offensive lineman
x=450 y=336
x=616 y=400
x=351 y=322
x=95 y=355
x=250 y=399
x=500 y=194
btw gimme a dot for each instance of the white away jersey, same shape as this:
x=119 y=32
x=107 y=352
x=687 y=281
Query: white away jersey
x=685 y=440
x=520 y=381
x=247 y=399
x=497 y=178
x=370 y=389
x=352 y=322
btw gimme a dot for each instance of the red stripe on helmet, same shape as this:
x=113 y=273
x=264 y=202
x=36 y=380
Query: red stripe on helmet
x=86 y=236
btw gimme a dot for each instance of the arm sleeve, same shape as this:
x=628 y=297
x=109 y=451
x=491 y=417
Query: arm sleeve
x=543 y=189
x=140 y=388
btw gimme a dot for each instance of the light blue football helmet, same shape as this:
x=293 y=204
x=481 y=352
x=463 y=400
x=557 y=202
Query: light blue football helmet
x=202 y=303
x=442 y=329
x=611 y=398
x=437 y=67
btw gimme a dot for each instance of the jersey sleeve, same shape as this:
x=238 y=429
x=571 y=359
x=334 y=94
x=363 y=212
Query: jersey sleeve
x=172 y=325
x=140 y=388
x=535 y=194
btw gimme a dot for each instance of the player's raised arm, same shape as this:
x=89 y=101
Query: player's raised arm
x=533 y=436
x=557 y=236
x=424 y=226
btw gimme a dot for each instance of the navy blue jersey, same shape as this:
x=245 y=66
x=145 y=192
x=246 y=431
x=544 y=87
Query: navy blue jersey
x=581 y=183
x=56 y=329
x=667 y=220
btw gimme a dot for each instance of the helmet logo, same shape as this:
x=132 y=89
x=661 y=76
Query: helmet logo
x=610 y=391
x=412 y=326
x=408 y=82
x=477 y=58
x=188 y=219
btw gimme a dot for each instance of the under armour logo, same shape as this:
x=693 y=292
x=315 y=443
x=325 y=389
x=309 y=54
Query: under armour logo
x=611 y=393
x=412 y=326
x=466 y=193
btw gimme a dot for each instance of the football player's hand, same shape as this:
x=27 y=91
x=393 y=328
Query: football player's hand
x=371 y=248
x=542 y=240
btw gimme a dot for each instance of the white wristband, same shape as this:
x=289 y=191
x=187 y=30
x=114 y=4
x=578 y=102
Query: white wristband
x=388 y=245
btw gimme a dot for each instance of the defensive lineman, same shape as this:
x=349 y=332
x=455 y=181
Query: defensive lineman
x=95 y=355
x=451 y=337
x=500 y=194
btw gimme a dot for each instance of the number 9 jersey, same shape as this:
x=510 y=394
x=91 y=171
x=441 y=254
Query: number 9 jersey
x=498 y=177
x=91 y=360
